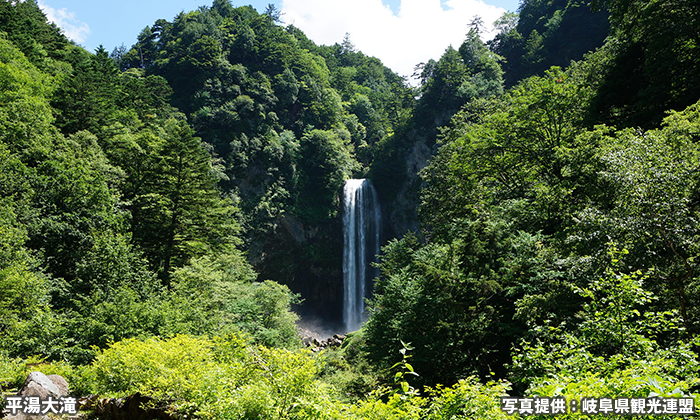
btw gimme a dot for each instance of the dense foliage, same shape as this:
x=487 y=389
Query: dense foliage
x=288 y=119
x=547 y=33
x=112 y=222
x=528 y=200
x=147 y=196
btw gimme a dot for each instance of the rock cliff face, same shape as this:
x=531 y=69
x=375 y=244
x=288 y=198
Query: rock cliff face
x=308 y=259
x=403 y=209
x=395 y=174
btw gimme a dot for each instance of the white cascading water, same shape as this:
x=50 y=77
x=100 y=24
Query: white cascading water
x=361 y=239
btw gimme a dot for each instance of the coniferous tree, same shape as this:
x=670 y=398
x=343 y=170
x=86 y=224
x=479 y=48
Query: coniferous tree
x=87 y=98
x=177 y=212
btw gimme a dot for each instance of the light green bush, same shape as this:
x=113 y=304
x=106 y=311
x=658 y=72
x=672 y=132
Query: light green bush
x=467 y=399
x=214 y=378
x=641 y=381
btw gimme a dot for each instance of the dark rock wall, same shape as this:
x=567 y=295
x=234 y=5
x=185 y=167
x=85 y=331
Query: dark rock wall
x=308 y=259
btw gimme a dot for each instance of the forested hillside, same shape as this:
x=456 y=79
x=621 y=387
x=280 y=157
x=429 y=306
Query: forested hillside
x=167 y=209
x=286 y=120
x=547 y=33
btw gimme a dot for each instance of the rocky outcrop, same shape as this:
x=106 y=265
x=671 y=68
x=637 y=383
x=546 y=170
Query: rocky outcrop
x=315 y=345
x=55 y=388
x=60 y=383
x=38 y=385
x=134 y=407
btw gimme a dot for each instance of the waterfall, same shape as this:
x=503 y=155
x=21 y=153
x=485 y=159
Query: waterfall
x=361 y=239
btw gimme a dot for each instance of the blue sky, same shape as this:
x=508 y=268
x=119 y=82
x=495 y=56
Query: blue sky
x=402 y=33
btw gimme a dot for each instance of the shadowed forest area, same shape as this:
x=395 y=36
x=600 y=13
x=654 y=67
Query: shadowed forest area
x=169 y=210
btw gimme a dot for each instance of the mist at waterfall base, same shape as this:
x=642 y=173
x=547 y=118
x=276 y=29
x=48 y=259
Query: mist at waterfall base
x=361 y=241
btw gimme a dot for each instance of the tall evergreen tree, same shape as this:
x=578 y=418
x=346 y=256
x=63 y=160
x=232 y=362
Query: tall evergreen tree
x=87 y=98
x=178 y=213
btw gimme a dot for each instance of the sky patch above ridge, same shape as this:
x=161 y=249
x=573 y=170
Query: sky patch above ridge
x=401 y=33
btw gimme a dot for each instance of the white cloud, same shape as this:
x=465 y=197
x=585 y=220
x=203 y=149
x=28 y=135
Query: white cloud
x=421 y=30
x=70 y=26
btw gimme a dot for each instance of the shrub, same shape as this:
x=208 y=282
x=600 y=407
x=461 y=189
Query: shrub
x=216 y=378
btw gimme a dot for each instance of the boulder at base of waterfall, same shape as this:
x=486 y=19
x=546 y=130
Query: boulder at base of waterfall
x=335 y=341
